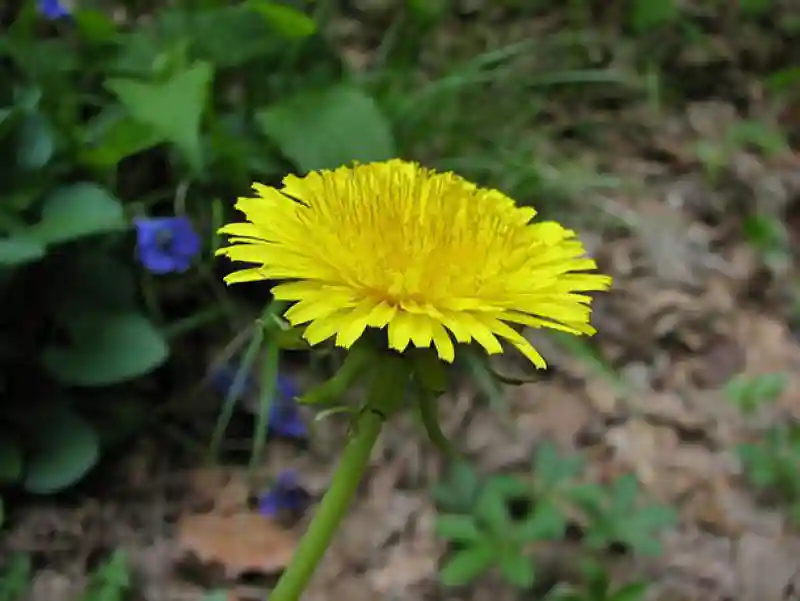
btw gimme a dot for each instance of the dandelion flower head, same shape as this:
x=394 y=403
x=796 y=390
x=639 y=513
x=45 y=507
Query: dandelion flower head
x=428 y=255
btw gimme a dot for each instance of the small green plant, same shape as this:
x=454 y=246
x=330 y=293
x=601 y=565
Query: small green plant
x=716 y=155
x=767 y=234
x=751 y=393
x=15 y=579
x=110 y=580
x=614 y=516
x=597 y=586
x=771 y=465
x=644 y=16
x=492 y=537
x=496 y=522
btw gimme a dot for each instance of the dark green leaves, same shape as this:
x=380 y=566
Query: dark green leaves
x=19 y=250
x=458 y=528
x=172 y=108
x=287 y=21
x=468 y=564
x=553 y=473
x=615 y=516
x=459 y=488
x=750 y=393
x=10 y=458
x=68 y=213
x=108 y=348
x=76 y=211
x=324 y=129
x=490 y=525
x=64 y=448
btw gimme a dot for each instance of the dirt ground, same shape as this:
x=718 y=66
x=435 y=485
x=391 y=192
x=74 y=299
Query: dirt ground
x=692 y=306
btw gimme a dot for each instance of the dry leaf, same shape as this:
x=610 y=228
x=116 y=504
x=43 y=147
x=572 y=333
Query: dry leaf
x=225 y=488
x=49 y=585
x=643 y=447
x=244 y=542
x=547 y=410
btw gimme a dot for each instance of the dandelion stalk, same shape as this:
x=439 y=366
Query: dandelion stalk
x=384 y=398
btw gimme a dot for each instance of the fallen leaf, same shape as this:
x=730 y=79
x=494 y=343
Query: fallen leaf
x=764 y=566
x=642 y=447
x=544 y=410
x=243 y=542
x=49 y=585
x=722 y=360
x=225 y=489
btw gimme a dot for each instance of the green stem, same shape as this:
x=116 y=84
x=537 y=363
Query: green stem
x=332 y=508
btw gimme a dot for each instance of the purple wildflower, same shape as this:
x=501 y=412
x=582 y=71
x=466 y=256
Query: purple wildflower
x=52 y=9
x=166 y=244
x=285 y=495
x=284 y=414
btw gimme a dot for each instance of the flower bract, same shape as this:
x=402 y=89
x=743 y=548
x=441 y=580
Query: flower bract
x=431 y=257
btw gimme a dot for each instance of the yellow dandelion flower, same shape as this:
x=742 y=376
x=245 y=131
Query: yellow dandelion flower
x=430 y=256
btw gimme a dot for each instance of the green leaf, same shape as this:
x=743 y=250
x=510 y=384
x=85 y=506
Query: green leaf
x=492 y=510
x=588 y=496
x=518 y=569
x=114 y=135
x=596 y=578
x=108 y=349
x=633 y=591
x=546 y=522
x=65 y=448
x=468 y=564
x=624 y=491
x=95 y=25
x=768 y=387
x=482 y=374
x=76 y=211
x=754 y=8
x=565 y=592
x=652 y=518
x=10 y=459
x=459 y=488
x=172 y=108
x=647 y=14
x=36 y=143
x=551 y=470
x=327 y=128
x=459 y=528
x=16 y=577
x=110 y=580
x=19 y=250
x=287 y=21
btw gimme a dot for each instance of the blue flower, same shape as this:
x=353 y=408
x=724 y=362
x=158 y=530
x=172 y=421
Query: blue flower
x=166 y=244
x=222 y=379
x=285 y=495
x=284 y=414
x=52 y=9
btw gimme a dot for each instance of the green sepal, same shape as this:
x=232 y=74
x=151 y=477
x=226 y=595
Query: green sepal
x=429 y=371
x=353 y=368
x=430 y=420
